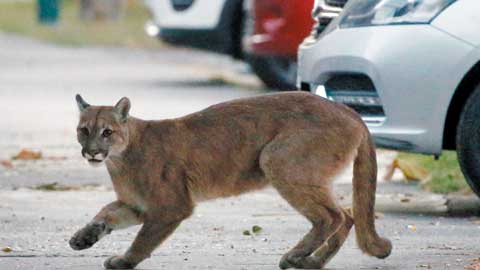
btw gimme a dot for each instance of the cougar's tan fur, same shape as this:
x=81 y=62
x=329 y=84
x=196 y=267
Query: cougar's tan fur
x=296 y=142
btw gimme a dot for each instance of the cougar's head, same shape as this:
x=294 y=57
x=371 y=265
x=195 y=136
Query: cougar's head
x=102 y=130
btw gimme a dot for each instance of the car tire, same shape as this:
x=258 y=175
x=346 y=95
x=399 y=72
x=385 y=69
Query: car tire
x=468 y=141
x=275 y=72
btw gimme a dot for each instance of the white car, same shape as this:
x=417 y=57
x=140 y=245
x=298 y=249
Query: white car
x=221 y=26
x=411 y=68
x=205 y=24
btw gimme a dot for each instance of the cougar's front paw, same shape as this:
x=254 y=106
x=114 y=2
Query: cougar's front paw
x=118 y=262
x=88 y=235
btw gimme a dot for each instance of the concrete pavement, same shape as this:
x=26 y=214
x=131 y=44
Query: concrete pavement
x=37 y=225
x=37 y=85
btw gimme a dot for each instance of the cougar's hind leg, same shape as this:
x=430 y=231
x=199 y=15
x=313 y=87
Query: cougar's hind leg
x=326 y=219
x=302 y=173
x=329 y=249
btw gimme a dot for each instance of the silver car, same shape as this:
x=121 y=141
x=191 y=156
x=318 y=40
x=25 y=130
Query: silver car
x=411 y=68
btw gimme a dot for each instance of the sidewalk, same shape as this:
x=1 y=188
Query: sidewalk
x=403 y=198
x=37 y=226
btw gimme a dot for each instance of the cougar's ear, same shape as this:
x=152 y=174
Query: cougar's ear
x=82 y=104
x=122 y=108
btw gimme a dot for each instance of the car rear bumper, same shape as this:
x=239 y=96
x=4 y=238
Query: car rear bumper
x=272 y=44
x=414 y=71
x=277 y=27
x=205 y=39
x=208 y=25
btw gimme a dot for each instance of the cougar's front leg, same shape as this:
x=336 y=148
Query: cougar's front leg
x=155 y=230
x=113 y=216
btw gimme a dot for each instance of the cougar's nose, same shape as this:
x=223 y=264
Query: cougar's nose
x=89 y=154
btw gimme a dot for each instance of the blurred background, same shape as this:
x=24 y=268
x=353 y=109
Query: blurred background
x=174 y=57
x=202 y=54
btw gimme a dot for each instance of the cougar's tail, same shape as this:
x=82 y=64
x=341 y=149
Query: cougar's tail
x=364 y=186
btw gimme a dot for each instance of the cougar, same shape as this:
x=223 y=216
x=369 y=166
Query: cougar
x=296 y=142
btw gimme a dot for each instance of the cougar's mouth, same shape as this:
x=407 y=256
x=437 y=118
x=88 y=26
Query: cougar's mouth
x=95 y=162
x=94 y=159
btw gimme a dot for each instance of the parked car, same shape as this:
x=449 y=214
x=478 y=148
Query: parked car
x=212 y=25
x=265 y=33
x=274 y=30
x=410 y=68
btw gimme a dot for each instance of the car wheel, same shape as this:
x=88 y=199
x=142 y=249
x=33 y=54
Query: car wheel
x=275 y=72
x=468 y=141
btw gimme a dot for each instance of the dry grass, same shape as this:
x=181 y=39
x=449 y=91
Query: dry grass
x=446 y=176
x=19 y=17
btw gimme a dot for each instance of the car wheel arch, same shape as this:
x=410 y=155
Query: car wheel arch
x=463 y=91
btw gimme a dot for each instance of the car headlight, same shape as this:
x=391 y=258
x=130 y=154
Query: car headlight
x=359 y=13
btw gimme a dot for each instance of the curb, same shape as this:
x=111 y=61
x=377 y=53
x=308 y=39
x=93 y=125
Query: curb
x=463 y=205
x=428 y=204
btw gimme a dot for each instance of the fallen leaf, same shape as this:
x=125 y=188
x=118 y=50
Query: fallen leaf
x=256 y=229
x=405 y=200
x=6 y=163
x=412 y=228
x=246 y=232
x=410 y=170
x=476 y=221
x=26 y=154
x=7 y=249
x=55 y=186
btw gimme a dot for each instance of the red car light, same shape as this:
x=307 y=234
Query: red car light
x=266 y=9
x=280 y=26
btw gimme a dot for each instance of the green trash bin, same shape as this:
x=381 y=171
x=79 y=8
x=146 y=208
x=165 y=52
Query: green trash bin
x=48 y=11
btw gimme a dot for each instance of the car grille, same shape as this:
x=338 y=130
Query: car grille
x=324 y=13
x=356 y=91
x=336 y=3
x=350 y=83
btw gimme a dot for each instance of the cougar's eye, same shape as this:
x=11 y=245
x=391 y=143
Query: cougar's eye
x=84 y=131
x=107 y=132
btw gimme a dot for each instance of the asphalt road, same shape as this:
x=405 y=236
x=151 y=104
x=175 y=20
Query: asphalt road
x=37 y=226
x=37 y=86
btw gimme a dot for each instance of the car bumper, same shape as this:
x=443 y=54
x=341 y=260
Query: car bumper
x=205 y=39
x=276 y=27
x=272 y=44
x=207 y=25
x=414 y=70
